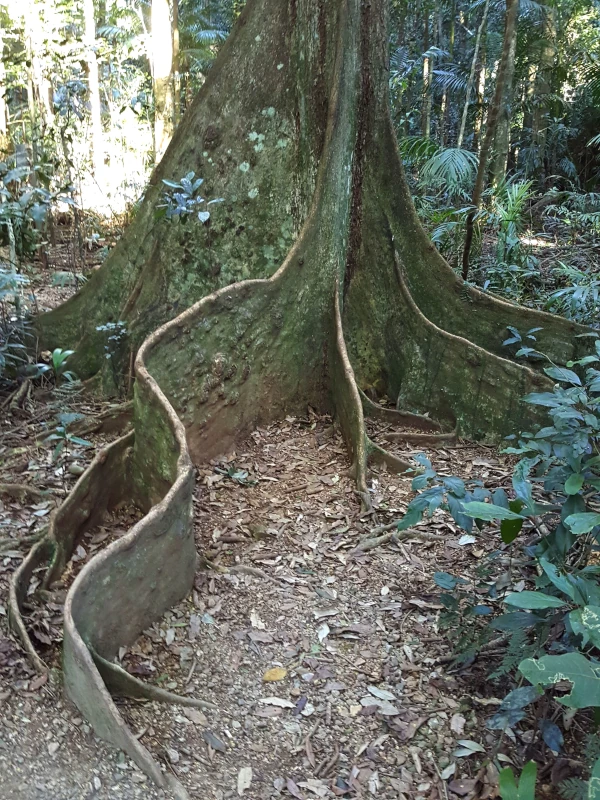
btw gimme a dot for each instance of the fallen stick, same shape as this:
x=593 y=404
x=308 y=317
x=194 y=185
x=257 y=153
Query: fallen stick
x=397 y=536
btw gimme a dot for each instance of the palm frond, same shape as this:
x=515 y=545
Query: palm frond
x=417 y=149
x=450 y=79
x=451 y=167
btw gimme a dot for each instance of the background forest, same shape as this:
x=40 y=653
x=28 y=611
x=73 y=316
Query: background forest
x=496 y=106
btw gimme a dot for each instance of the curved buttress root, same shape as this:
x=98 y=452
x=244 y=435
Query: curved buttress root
x=348 y=407
x=120 y=682
x=394 y=416
x=423 y=439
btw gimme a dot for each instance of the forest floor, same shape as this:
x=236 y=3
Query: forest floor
x=331 y=667
x=328 y=665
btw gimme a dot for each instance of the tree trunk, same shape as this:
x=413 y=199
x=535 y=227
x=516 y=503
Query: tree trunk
x=427 y=67
x=512 y=13
x=3 y=104
x=96 y=138
x=162 y=76
x=38 y=87
x=471 y=81
x=337 y=287
x=543 y=88
x=176 y=65
x=479 y=117
x=502 y=139
x=444 y=103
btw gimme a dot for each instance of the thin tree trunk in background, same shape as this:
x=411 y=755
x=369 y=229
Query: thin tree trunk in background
x=479 y=119
x=38 y=87
x=444 y=104
x=3 y=106
x=162 y=76
x=176 y=65
x=502 y=141
x=528 y=97
x=471 y=81
x=512 y=13
x=543 y=88
x=426 y=100
x=89 y=42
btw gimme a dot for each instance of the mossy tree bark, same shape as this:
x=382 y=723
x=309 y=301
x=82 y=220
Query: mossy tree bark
x=324 y=284
x=262 y=133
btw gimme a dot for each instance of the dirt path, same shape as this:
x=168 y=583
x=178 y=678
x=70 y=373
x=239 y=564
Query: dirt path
x=323 y=662
x=328 y=666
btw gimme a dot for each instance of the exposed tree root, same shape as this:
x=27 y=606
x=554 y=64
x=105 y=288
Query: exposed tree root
x=421 y=439
x=18 y=397
x=39 y=555
x=349 y=407
x=9 y=543
x=113 y=420
x=397 y=417
x=381 y=456
x=120 y=682
x=23 y=492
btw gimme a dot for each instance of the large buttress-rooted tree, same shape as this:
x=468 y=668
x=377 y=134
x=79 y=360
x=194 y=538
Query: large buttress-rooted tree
x=312 y=281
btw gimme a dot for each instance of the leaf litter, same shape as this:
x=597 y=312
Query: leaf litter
x=364 y=708
x=367 y=700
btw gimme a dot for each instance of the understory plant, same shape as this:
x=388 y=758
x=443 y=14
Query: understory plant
x=550 y=520
x=579 y=300
x=182 y=199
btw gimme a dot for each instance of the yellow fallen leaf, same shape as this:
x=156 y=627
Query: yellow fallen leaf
x=275 y=674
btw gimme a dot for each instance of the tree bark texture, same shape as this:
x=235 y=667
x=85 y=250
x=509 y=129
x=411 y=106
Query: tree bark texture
x=317 y=280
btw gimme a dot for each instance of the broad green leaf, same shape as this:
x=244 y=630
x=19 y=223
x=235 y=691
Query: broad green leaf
x=586 y=622
x=489 y=512
x=412 y=516
x=445 y=581
x=572 y=667
x=574 y=483
x=582 y=523
x=455 y=485
x=560 y=581
x=548 y=399
x=563 y=374
x=81 y=442
x=527 y=781
x=552 y=735
x=533 y=600
x=511 y=528
x=507 y=784
x=516 y=620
